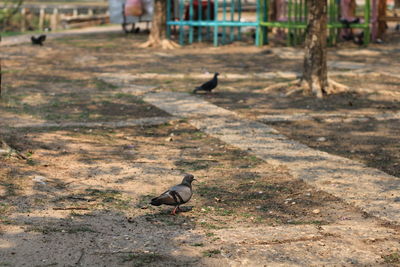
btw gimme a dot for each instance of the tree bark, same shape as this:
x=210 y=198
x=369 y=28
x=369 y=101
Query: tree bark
x=158 y=28
x=314 y=80
x=315 y=72
x=382 y=25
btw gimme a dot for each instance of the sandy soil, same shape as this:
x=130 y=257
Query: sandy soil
x=80 y=198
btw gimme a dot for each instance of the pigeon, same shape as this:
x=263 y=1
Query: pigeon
x=38 y=40
x=176 y=195
x=208 y=86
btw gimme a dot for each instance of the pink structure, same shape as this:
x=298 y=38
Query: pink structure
x=281 y=10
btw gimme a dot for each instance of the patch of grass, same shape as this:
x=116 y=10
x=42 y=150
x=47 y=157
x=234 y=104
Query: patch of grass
x=246 y=215
x=224 y=212
x=143 y=201
x=11 y=188
x=392 y=258
x=142 y=259
x=30 y=162
x=54 y=229
x=211 y=252
x=210 y=226
x=76 y=214
x=253 y=159
x=110 y=197
x=210 y=234
x=104 y=86
x=103 y=193
x=209 y=191
x=193 y=165
x=197 y=245
x=315 y=222
x=6 y=220
x=197 y=136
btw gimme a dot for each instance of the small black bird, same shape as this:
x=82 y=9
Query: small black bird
x=208 y=86
x=38 y=40
x=176 y=195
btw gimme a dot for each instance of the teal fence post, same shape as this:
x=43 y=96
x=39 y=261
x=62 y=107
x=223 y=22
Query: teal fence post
x=265 y=19
x=216 y=24
x=289 y=19
x=239 y=18
x=258 y=28
x=231 y=29
x=181 y=19
x=200 y=18
x=168 y=30
x=190 y=21
x=224 y=19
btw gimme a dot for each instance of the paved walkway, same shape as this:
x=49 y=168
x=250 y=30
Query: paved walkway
x=371 y=190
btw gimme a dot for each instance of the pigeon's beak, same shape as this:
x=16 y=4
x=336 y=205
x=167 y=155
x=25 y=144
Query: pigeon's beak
x=194 y=179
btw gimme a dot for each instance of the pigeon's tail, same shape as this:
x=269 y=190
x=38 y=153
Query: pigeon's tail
x=156 y=201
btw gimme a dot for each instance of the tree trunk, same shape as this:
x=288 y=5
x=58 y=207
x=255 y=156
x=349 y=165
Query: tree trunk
x=315 y=72
x=314 y=80
x=158 y=27
x=382 y=25
x=396 y=3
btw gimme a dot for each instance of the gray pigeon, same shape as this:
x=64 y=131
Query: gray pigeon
x=176 y=195
x=208 y=86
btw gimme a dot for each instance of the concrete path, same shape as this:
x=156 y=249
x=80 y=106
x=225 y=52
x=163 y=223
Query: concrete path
x=371 y=190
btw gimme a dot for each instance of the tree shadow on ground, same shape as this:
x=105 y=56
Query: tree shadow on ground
x=371 y=142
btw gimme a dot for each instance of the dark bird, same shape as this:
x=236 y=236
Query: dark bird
x=38 y=40
x=176 y=195
x=359 y=38
x=208 y=86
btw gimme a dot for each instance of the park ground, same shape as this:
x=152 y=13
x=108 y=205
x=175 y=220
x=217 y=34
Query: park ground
x=77 y=194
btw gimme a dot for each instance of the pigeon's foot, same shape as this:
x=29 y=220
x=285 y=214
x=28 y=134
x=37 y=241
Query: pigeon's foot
x=174 y=210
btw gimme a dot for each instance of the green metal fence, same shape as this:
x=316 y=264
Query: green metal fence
x=221 y=21
x=296 y=21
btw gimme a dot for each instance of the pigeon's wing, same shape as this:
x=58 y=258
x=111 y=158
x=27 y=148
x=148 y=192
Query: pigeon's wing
x=176 y=195
x=183 y=193
x=166 y=198
x=207 y=85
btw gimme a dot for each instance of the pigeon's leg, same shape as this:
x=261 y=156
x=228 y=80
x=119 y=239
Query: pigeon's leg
x=174 y=210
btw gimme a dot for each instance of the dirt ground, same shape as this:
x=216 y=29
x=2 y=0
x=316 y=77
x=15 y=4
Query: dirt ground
x=80 y=197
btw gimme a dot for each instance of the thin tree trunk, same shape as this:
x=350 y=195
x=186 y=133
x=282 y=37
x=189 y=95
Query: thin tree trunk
x=159 y=23
x=315 y=73
x=382 y=25
x=314 y=80
x=157 y=37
